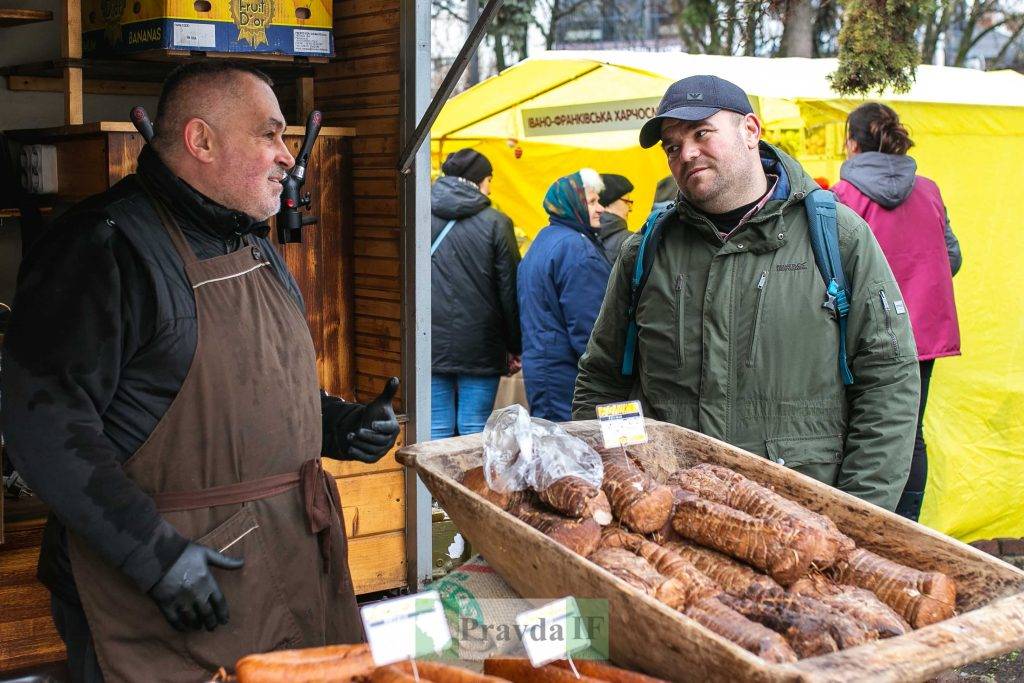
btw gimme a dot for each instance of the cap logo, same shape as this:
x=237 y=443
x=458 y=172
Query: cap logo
x=694 y=97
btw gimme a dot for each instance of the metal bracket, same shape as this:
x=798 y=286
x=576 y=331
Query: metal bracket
x=830 y=304
x=469 y=48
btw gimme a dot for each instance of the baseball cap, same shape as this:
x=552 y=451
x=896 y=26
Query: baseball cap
x=695 y=99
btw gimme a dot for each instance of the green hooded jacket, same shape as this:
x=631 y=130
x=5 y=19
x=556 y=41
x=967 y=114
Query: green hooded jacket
x=734 y=342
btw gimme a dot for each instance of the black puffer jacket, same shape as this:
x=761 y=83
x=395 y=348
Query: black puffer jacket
x=475 y=317
x=612 y=234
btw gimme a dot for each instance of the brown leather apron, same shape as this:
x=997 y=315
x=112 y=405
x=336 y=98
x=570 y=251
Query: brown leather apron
x=234 y=465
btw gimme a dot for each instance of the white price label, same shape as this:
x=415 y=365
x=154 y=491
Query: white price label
x=311 y=41
x=553 y=631
x=406 y=628
x=190 y=34
x=622 y=424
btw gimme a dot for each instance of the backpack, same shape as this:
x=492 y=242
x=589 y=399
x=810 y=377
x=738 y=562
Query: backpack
x=823 y=228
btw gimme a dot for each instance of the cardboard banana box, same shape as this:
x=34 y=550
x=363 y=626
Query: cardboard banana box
x=285 y=27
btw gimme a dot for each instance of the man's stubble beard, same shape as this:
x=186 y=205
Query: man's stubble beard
x=724 y=185
x=272 y=212
x=718 y=186
x=258 y=206
x=260 y=211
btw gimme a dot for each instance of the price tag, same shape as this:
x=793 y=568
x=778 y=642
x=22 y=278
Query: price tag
x=553 y=631
x=406 y=628
x=622 y=424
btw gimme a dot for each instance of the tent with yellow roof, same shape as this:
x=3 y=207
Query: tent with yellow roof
x=555 y=113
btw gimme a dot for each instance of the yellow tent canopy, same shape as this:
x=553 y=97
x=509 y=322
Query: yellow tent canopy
x=553 y=114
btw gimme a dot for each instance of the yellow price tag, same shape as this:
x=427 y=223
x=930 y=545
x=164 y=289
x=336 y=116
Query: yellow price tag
x=622 y=424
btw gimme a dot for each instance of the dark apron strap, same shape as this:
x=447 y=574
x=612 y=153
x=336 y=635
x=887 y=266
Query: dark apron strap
x=229 y=494
x=171 y=225
x=323 y=514
x=320 y=501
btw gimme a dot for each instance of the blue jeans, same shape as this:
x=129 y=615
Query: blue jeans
x=460 y=401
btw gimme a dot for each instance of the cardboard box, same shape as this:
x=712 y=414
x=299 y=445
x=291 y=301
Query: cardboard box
x=290 y=27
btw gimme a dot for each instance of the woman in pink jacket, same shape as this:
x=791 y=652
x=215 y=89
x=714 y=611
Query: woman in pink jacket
x=909 y=220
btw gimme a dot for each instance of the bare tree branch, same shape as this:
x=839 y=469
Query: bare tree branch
x=453 y=10
x=1012 y=40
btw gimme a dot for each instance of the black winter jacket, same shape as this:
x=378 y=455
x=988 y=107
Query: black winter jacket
x=612 y=234
x=475 y=317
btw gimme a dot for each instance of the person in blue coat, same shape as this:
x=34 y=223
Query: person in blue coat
x=561 y=284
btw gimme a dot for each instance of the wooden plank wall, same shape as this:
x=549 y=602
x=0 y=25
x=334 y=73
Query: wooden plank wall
x=361 y=89
x=322 y=263
x=27 y=635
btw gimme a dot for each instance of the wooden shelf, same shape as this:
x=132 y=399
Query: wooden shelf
x=139 y=74
x=145 y=67
x=36 y=134
x=265 y=57
x=16 y=213
x=19 y=17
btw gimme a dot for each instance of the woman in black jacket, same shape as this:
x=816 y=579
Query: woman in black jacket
x=475 y=317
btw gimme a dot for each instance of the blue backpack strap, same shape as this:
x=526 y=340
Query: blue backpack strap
x=823 y=228
x=650 y=238
x=440 y=238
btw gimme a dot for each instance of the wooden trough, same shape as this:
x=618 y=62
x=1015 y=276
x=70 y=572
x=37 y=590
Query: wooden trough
x=648 y=636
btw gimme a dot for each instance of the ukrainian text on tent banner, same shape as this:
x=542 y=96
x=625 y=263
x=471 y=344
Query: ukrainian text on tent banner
x=593 y=117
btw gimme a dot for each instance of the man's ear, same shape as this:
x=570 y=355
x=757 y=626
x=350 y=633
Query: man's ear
x=751 y=130
x=198 y=140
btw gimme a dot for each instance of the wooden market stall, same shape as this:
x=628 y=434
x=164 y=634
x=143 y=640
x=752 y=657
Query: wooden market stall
x=351 y=267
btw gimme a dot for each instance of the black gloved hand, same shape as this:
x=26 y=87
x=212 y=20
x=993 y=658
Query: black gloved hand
x=378 y=427
x=187 y=593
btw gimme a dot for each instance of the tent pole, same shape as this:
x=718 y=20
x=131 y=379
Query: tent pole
x=469 y=48
x=472 y=15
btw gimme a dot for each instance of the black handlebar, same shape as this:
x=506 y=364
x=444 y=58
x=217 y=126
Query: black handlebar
x=142 y=123
x=289 y=219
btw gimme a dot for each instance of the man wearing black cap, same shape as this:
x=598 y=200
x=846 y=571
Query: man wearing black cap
x=617 y=204
x=475 y=315
x=730 y=334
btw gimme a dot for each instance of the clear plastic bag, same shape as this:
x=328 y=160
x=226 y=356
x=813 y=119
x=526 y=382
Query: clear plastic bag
x=523 y=452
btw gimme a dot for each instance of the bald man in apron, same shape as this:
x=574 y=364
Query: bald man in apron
x=160 y=393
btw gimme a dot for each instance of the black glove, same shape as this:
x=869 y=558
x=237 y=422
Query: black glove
x=187 y=593
x=378 y=427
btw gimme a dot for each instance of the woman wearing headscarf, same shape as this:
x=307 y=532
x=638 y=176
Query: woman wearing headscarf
x=561 y=285
x=908 y=218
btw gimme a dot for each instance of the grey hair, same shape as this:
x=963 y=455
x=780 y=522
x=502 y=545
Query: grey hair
x=591 y=180
x=186 y=93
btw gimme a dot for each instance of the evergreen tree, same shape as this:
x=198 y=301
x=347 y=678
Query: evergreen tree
x=877 y=49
